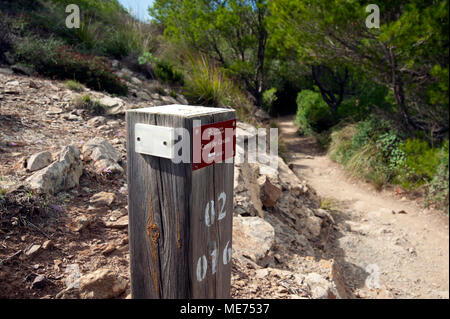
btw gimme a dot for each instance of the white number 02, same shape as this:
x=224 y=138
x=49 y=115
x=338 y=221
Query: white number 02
x=210 y=213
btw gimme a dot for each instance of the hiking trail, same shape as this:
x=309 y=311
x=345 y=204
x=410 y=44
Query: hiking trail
x=387 y=245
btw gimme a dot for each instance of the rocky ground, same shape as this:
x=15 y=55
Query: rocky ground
x=63 y=206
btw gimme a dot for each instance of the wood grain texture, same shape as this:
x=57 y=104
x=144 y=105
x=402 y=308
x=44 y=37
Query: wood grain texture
x=167 y=228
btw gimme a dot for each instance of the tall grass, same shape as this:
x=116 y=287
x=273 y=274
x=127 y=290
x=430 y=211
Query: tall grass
x=207 y=85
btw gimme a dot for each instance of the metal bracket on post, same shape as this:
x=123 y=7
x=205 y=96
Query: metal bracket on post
x=155 y=140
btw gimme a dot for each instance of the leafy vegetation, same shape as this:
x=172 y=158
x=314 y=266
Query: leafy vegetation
x=313 y=113
x=268 y=100
x=374 y=151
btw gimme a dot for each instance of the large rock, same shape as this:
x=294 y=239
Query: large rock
x=61 y=175
x=39 y=161
x=102 y=284
x=103 y=154
x=253 y=237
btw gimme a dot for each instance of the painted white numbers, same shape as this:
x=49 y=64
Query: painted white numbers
x=210 y=213
x=214 y=256
x=202 y=263
x=227 y=254
x=202 y=267
x=222 y=213
x=210 y=216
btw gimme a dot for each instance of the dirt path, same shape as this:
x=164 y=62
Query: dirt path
x=382 y=253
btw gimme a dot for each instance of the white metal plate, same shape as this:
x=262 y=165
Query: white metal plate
x=155 y=140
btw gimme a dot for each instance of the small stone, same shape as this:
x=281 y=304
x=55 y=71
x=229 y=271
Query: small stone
x=103 y=199
x=102 y=284
x=54 y=111
x=119 y=224
x=269 y=194
x=39 y=161
x=48 y=244
x=33 y=250
x=109 y=249
x=96 y=121
x=81 y=223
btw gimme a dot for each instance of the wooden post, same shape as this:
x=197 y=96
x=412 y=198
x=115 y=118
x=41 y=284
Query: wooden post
x=180 y=218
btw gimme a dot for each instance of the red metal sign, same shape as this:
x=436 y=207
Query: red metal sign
x=213 y=143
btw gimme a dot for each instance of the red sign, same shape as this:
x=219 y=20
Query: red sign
x=213 y=143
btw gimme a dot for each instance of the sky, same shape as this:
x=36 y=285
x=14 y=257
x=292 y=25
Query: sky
x=138 y=8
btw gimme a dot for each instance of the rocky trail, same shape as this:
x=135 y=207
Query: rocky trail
x=387 y=245
x=64 y=214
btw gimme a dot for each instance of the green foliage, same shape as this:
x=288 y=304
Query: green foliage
x=368 y=97
x=269 y=98
x=313 y=114
x=165 y=71
x=36 y=52
x=74 y=85
x=232 y=32
x=420 y=165
x=439 y=185
x=87 y=103
x=51 y=58
x=207 y=85
x=373 y=150
x=368 y=150
x=106 y=27
x=5 y=39
x=342 y=143
x=408 y=54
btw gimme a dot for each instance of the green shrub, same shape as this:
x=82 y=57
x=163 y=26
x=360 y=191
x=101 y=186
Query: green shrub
x=341 y=145
x=74 y=85
x=420 y=164
x=368 y=97
x=369 y=149
x=40 y=54
x=313 y=114
x=93 y=71
x=439 y=186
x=86 y=102
x=51 y=58
x=268 y=99
x=207 y=85
x=165 y=71
x=5 y=38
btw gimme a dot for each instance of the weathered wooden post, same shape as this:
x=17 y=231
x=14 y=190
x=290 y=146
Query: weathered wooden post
x=180 y=203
